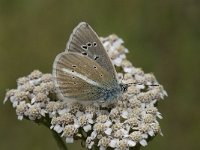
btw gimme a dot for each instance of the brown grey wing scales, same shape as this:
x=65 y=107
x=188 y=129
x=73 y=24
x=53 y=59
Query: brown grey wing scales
x=77 y=77
x=85 y=66
x=84 y=40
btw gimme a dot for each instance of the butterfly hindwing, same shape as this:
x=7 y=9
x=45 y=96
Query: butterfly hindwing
x=80 y=78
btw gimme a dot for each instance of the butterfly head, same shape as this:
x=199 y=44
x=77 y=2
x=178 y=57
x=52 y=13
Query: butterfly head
x=124 y=87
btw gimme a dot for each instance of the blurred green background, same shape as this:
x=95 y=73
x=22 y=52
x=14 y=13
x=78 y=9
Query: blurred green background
x=163 y=37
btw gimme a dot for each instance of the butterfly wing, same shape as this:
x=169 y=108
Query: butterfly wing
x=77 y=77
x=84 y=40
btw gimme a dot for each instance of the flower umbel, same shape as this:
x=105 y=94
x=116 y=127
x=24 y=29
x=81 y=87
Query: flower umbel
x=129 y=122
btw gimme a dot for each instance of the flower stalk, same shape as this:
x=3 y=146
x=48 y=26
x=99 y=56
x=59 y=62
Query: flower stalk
x=59 y=140
x=61 y=144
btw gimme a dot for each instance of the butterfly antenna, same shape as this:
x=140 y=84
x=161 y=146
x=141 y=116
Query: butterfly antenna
x=129 y=84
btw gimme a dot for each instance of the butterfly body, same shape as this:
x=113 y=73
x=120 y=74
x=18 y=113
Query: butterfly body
x=113 y=93
x=84 y=72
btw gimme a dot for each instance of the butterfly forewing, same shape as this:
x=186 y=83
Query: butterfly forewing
x=80 y=78
x=85 y=41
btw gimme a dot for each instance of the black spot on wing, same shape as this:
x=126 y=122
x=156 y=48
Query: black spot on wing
x=84 y=47
x=94 y=44
x=96 y=57
x=84 y=53
x=89 y=44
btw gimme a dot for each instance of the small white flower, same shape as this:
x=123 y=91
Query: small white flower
x=143 y=142
x=108 y=123
x=108 y=131
x=58 y=128
x=89 y=142
x=87 y=128
x=69 y=140
x=131 y=143
x=20 y=117
x=151 y=133
x=113 y=143
x=33 y=100
x=128 y=69
x=93 y=135
x=90 y=145
x=79 y=113
x=117 y=43
x=103 y=143
x=35 y=82
x=102 y=148
x=62 y=111
x=43 y=112
x=117 y=61
x=140 y=86
x=124 y=114
x=15 y=103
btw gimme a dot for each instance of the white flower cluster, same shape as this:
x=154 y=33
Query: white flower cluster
x=130 y=122
x=32 y=95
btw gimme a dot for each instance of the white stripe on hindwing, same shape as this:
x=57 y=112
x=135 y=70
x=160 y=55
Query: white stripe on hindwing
x=76 y=74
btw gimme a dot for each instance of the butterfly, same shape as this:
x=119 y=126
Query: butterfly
x=84 y=71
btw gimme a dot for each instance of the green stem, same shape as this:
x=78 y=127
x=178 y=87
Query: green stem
x=61 y=144
x=59 y=141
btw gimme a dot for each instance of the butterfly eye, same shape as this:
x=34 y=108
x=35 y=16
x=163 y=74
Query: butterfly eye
x=94 y=44
x=74 y=66
x=101 y=75
x=95 y=67
x=89 y=44
x=84 y=47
